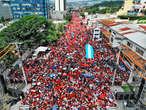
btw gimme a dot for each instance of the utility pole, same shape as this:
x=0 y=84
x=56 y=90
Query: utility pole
x=117 y=63
x=141 y=93
x=20 y=57
x=131 y=73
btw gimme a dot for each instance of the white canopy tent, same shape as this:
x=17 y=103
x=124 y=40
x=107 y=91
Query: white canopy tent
x=40 y=49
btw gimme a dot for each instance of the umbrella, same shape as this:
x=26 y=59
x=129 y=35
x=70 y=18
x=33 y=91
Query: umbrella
x=53 y=67
x=92 y=77
x=85 y=75
x=68 y=90
x=55 y=107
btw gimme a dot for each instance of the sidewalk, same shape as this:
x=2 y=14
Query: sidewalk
x=117 y=89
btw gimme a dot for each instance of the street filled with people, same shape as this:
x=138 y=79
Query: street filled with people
x=67 y=80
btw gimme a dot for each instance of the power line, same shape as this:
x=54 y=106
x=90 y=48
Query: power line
x=5 y=48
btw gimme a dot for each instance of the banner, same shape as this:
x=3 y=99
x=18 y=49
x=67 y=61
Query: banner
x=89 y=51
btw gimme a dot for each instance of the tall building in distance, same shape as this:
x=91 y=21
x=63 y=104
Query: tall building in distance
x=128 y=4
x=5 y=10
x=60 y=5
x=21 y=8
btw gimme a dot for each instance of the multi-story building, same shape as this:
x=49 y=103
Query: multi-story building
x=5 y=10
x=126 y=7
x=60 y=5
x=96 y=33
x=138 y=9
x=133 y=7
x=130 y=40
x=22 y=8
x=133 y=41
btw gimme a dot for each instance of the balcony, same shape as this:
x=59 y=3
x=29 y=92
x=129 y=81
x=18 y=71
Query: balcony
x=138 y=60
x=106 y=33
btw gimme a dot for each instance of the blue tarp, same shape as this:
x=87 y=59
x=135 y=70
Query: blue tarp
x=89 y=76
x=85 y=75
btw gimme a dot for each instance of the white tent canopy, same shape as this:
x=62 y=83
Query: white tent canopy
x=40 y=49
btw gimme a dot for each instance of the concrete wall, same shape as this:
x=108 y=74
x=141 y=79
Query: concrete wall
x=57 y=5
x=60 y=5
x=58 y=15
x=115 y=42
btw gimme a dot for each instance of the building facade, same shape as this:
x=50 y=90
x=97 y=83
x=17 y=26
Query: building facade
x=138 y=9
x=133 y=7
x=96 y=33
x=60 y=5
x=21 y=8
x=5 y=10
x=131 y=38
x=126 y=7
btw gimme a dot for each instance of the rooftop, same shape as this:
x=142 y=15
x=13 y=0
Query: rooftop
x=122 y=26
x=109 y=23
x=125 y=28
x=143 y=27
x=137 y=37
x=108 y=34
x=134 y=32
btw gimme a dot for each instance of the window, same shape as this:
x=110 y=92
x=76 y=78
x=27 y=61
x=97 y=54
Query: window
x=129 y=44
x=96 y=30
x=138 y=50
x=112 y=36
x=112 y=39
x=114 y=33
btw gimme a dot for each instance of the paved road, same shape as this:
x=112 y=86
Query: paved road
x=6 y=26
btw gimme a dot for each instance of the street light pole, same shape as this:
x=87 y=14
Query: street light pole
x=20 y=57
x=117 y=63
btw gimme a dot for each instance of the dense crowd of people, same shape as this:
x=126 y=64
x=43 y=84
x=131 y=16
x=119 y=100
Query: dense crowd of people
x=67 y=80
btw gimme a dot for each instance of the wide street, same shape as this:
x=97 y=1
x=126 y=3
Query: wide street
x=74 y=75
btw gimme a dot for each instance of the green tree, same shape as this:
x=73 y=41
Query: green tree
x=145 y=12
x=31 y=30
x=2 y=19
x=82 y=14
x=114 y=7
x=61 y=26
x=108 y=10
x=102 y=11
x=94 y=10
x=68 y=16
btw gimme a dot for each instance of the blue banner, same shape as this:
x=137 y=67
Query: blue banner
x=89 y=51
